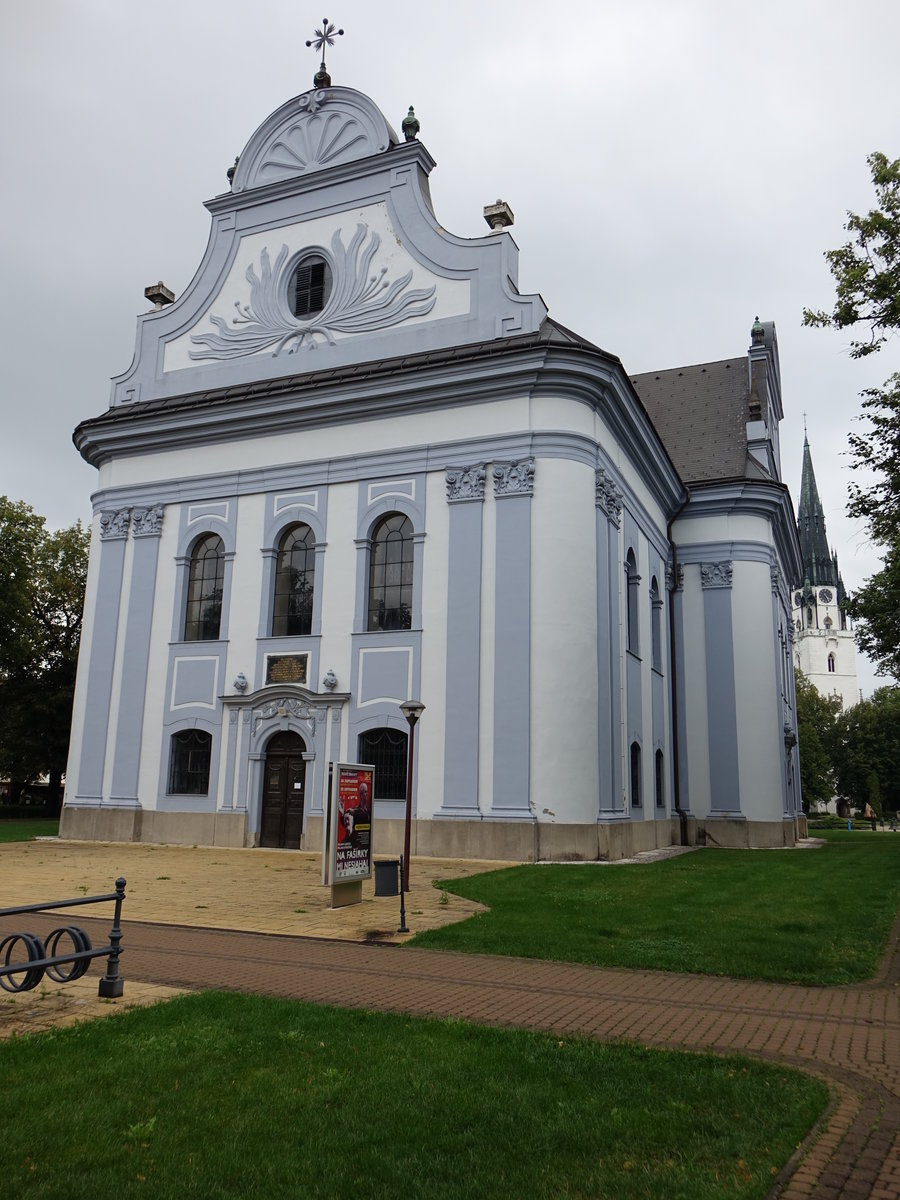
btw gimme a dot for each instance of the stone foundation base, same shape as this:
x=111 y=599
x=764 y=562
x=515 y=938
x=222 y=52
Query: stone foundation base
x=744 y=835
x=510 y=841
x=108 y=824
x=513 y=841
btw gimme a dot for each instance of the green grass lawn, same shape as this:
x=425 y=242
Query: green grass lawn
x=806 y=916
x=225 y=1096
x=24 y=831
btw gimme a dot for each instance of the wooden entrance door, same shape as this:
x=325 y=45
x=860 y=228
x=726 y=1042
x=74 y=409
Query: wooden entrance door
x=285 y=781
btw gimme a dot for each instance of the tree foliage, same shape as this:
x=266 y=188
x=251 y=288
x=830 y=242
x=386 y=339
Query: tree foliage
x=816 y=715
x=866 y=744
x=866 y=271
x=42 y=581
x=875 y=608
x=866 y=268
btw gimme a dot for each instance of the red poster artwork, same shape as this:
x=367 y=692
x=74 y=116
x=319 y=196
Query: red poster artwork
x=353 y=824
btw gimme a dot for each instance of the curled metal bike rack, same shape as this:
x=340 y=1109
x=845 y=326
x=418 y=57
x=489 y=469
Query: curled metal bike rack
x=26 y=958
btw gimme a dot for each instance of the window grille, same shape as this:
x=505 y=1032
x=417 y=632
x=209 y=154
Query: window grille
x=386 y=750
x=391 y=574
x=294 y=583
x=189 y=763
x=203 y=610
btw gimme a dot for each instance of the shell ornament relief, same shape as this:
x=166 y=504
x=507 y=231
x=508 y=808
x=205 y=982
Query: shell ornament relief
x=313 y=142
x=360 y=302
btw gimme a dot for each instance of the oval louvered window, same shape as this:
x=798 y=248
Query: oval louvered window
x=310 y=286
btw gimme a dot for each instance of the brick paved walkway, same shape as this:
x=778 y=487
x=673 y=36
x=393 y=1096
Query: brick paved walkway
x=850 y=1036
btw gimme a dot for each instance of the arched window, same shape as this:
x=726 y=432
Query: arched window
x=189 y=757
x=632 y=579
x=294 y=583
x=310 y=287
x=655 y=625
x=635 y=775
x=831 y=663
x=203 y=611
x=391 y=574
x=386 y=750
x=660 y=781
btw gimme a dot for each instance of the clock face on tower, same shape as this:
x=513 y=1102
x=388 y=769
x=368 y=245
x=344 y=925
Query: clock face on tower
x=825 y=596
x=798 y=598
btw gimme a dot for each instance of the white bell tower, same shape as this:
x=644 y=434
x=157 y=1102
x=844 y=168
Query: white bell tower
x=824 y=645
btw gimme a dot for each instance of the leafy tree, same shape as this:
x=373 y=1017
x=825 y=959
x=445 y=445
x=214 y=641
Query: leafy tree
x=866 y=743
x=20 y=532
x=42 y=580
x=866 y=271
x=876 y=610
x=816 y=716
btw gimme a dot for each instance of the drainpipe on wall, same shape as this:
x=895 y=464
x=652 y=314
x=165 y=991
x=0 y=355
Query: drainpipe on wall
x=673 y=674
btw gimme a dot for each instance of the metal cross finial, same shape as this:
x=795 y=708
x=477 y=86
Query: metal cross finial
x=324 y=37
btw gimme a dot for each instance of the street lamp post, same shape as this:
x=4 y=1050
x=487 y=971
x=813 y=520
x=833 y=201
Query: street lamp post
x=412 y=710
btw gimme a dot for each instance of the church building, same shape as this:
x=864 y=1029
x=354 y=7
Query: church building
x=825 y=648
x=352 y=465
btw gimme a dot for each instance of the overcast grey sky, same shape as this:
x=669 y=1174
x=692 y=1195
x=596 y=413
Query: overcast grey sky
x=676 y=167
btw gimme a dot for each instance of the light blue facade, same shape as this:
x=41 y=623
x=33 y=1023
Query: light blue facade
x=528 y=471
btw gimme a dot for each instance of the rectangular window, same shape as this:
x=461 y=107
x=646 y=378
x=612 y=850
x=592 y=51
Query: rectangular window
x=635 y=775
x=189 y=760
x=660 y=781
x=386 y=750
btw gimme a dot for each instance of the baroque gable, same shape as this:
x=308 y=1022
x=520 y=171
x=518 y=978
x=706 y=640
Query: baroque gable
x=323 y=128
x=325 y=179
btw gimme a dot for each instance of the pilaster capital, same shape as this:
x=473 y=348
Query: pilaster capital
x=514 y=478
x=114 y=525
x=716 y=575
x=466 y=484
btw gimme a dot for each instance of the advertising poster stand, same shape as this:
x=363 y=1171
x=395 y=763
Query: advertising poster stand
x=348 y=831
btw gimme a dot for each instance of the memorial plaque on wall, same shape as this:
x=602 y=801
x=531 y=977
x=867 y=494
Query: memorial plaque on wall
x=286 y=668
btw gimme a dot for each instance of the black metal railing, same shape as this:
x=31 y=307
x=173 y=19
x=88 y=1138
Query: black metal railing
x=31 y=957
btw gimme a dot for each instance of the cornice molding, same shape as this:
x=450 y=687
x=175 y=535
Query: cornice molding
x=362 y=169
x=762 y=498
x=484 y=373
x=433 y=457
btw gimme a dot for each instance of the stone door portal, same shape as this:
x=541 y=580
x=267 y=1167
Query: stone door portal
x=285 y=781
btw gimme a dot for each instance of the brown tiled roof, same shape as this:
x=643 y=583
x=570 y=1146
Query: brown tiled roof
x=700 y=412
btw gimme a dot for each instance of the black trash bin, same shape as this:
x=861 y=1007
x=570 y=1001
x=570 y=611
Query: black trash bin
x=387 y=877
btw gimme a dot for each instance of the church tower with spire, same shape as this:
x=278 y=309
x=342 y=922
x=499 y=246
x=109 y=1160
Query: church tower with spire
x=824 y=646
